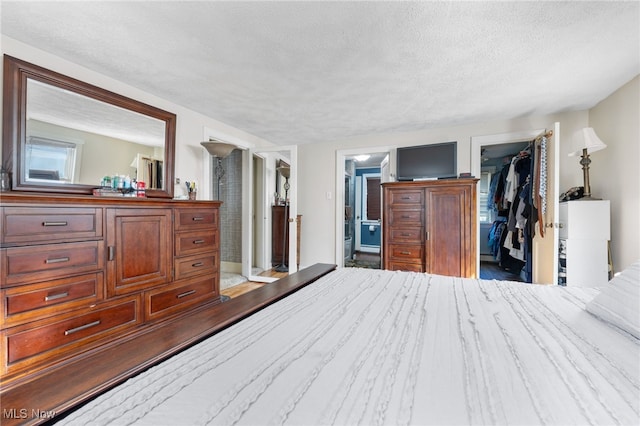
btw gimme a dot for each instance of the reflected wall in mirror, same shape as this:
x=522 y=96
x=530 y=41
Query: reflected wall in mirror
x=64 y=135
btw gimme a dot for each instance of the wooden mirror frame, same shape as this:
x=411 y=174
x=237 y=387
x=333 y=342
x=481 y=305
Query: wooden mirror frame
x=16 y=73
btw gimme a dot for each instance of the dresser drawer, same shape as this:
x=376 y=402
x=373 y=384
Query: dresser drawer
x=187 y=243
x=186 y=219
x=36 y=263
x=405 y=217
x=177 y=297
x=406 y=253
x=196 y=265
x=406 y=235
x=35 y=301
x=53 y=338
x=406 y=197
x=34 y=225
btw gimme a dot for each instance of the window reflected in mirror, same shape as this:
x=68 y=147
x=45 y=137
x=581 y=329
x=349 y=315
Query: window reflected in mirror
x=52 y=160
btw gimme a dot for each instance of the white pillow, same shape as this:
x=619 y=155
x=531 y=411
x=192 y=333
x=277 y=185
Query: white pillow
x=619 y=301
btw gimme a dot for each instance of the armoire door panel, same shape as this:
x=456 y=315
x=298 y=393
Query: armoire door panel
x=447 y=239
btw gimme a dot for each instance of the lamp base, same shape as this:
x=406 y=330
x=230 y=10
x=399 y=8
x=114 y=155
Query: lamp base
x=585 y=161
x=281 y=268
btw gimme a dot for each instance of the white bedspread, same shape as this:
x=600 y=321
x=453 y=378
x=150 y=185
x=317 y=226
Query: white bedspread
x=370 y=347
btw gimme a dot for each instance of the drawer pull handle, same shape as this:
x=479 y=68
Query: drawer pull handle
x=54 y=223
x=56 y=296
x=406 y=198
x=82 y=327
x=57 y=260
x=405 y=235
x=197 y=218
x=406 y=217
x=111 y=252
x=198 y=241
x=405 y=252
x=185 y=294
x=197 y=264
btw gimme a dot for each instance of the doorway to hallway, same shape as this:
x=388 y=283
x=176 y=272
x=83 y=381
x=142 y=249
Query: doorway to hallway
x=359 y=206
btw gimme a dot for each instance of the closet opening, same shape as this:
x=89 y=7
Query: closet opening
x=541 y=265
x=505 y=243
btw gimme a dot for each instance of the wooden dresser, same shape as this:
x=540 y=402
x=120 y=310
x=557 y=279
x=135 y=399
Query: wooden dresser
x=430 y=226
x=79 y=274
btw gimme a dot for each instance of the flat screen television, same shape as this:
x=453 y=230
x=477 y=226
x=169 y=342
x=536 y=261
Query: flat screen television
x=436 y=161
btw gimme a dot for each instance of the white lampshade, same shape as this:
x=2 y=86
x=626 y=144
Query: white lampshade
x=586 y=138
x=218 y=149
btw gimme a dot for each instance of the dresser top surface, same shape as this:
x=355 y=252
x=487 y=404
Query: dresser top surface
x=438 y=182
x=25 y=199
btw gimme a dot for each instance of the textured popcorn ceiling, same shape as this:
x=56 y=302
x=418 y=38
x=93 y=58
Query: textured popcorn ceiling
x=305 y=72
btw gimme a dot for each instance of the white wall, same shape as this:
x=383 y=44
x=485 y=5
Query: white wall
x=190 y=125
x=615 y=171
x=317 y=169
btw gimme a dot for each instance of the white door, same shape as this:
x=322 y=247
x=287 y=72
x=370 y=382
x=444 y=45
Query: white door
x=385 y=176
x=545 y=249
x=260 y=201
x=260 y=236
x=358 y=211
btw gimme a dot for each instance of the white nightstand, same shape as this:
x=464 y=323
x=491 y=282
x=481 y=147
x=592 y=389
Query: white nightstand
x=584 y=235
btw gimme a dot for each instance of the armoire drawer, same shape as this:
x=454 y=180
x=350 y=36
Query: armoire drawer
x=187 y=243
x=186 y=219
x=406 y=235
x=405 y=217
x=35 y=263
x=35 y=301
x=35 y=225
x=53 y=338
x=176 y=297
x=195 y=265
x=402 y=266
x=406 y=252
x=404 y=197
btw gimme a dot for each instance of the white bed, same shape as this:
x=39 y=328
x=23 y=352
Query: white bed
x=373 y=347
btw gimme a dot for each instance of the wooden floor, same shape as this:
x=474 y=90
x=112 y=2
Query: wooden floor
x=248 y=286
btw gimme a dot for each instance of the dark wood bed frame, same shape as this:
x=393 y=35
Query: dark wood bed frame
x=56 y=392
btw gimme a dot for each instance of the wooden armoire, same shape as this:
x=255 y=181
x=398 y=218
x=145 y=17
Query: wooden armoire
x=279 y=220
x=430 y=226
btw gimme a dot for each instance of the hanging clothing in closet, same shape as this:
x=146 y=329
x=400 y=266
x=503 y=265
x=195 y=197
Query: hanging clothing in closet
x=519 y=195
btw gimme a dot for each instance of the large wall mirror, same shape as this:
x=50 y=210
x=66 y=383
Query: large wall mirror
x=63 y=135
